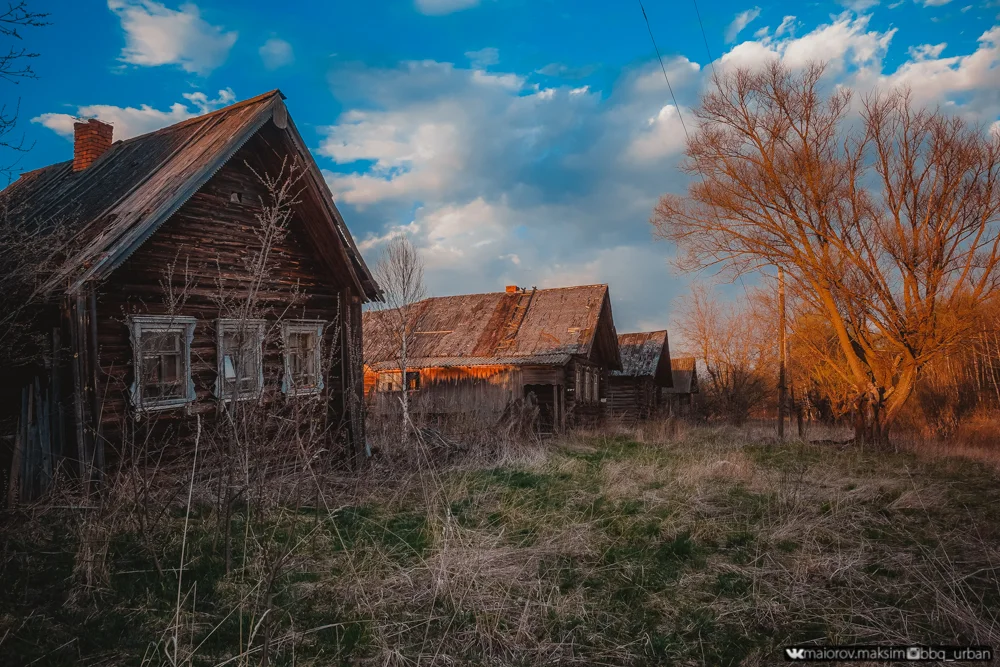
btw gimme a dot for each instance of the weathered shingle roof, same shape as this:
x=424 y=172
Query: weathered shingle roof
x=504 y=328
x=685 y=373
x=646 y=354
x=109 y=209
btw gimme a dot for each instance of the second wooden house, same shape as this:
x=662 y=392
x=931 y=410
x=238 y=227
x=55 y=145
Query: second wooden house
x=636 y=391
x=478 y=354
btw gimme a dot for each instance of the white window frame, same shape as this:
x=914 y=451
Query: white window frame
x=596 y=389
x=302 y=326
x=142 y=324
x=586 y=385
x=254 y=328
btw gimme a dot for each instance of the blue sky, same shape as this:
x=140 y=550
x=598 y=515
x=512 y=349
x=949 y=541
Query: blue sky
x=515 y=141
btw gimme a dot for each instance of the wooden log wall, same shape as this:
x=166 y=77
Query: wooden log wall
x=196 y=256
x=632 y=398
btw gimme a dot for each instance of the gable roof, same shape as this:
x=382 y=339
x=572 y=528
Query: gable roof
x=109 y=209
x=685 y=374
x=646 y=354
x=536 y=326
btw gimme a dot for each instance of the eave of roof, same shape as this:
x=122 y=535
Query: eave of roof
x=456 y=362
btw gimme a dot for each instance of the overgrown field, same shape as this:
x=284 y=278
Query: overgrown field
x=704 y=549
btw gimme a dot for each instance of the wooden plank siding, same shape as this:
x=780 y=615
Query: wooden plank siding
x=490 y=389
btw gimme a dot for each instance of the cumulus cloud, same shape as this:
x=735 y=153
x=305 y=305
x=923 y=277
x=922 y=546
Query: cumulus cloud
x=741 y=21
x=499 y=180
x=846 y=43
x=507 y=178
x=483 y=57
x=276 y=53
x=439 y=7
x=156 y=35
x=133 y=121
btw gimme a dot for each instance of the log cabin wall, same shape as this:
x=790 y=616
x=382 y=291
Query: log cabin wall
x=199 y=253
x=632 y=398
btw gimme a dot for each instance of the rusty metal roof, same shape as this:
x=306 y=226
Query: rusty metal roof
x=646 y=354
x=515 y=327
x=685 y=374
x=109 y=209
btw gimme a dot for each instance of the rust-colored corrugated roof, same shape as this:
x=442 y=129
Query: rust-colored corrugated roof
x=515 y=327
x=685 y=374
x=646 y=354
x=113 y=206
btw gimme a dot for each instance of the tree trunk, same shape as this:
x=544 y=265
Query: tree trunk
x=877 y=409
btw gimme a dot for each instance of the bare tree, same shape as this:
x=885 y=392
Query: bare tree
x=736 y=346
x=885 y=221
x=15 y=65
x=400 y=273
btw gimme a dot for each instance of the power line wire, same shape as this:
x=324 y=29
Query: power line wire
x=711 y=60
x=664 y=70
x=715 y=75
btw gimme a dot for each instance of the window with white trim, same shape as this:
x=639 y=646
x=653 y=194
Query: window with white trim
x=586 y=384
x=302 y=341
x=240 y=359
x=161 y=361
x=596 y=390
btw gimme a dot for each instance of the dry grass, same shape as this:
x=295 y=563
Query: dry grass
x=669 y=545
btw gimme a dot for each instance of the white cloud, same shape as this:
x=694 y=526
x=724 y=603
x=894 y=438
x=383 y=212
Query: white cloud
x=276 y=53
x=483 y=57
x=501 y=181
x=787 y=25
x=926 y=51
x=664 y=138
x=501 y=178
x=439 y=7
x=845 y=42
x=741 y=21
x=859 y=5
x=132 y=121
x=934 y=79
x=156 y=35
x=935 y=3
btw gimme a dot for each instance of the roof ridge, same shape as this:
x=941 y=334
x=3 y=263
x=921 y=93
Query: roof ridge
x=200 y=118
x=536 y=289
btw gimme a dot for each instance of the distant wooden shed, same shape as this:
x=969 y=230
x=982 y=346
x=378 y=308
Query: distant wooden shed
x=636 y=391
x=480 y=353
x=685 y=376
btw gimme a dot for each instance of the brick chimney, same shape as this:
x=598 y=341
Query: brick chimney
x=511 y=289
x=91 y=138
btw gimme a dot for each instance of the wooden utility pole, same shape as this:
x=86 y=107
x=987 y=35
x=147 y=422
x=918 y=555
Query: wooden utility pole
x=782 y=389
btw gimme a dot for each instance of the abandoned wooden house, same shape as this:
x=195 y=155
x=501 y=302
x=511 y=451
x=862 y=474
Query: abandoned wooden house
x=636 y=391
x=480 y=354
x=680 y=397
x=177 y=283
